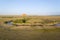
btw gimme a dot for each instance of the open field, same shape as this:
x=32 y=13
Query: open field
x=32 y=34
x=35 y=28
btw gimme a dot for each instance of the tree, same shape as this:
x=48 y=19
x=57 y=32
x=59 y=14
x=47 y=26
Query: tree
x=24 y=18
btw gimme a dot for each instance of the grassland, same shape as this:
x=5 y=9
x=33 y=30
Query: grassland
x=46 y=31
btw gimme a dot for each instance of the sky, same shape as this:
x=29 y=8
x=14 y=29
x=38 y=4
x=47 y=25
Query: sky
x=30 y=7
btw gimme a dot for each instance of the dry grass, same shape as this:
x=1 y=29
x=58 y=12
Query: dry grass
x=25 y=34
x=45 y=32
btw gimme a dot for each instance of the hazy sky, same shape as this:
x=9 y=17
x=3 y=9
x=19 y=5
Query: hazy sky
x=30 y=7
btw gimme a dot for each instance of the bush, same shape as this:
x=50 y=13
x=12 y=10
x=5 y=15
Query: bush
x=20 y=21
x=24 y=20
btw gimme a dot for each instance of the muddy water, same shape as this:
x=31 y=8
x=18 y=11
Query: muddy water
x=57 y=24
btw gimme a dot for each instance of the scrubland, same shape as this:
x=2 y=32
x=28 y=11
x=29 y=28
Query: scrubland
x=34 y=28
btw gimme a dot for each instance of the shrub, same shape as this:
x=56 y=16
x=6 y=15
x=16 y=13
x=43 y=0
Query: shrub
x=20 y=20
x=24 y=20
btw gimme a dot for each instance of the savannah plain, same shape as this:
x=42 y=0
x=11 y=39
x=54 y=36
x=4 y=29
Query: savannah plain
x=30 y=28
